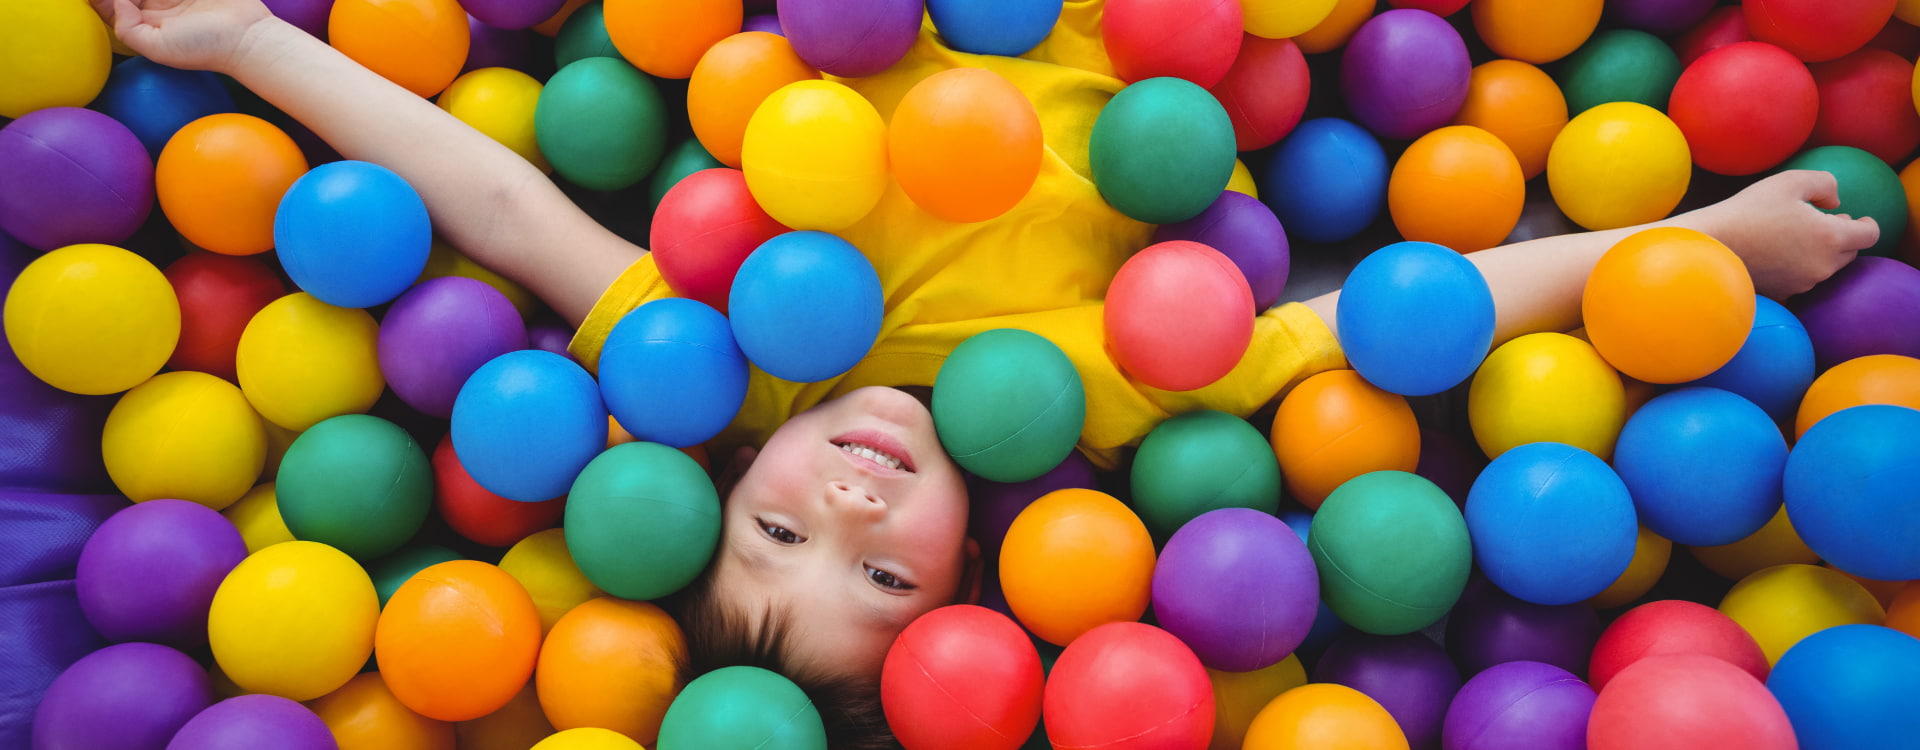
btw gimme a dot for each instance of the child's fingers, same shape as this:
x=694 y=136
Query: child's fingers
x=104 y=8
x=1858 y=234
x=1816 y=187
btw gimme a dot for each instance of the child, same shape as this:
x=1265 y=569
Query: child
x=849 y=520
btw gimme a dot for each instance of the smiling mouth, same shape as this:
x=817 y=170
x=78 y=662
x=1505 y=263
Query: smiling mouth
x=875 y=455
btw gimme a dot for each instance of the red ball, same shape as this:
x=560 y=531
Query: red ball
x=218 y=295
x=1745 y=107
x=1673 y=627
x=1818 y=30
x=1685 y=702
x=1866 y=101
x=1436 y=7
x=962 y=677
x=705 y=227
x=1720 y=28
x=482 y=516
x=1899 y=37
x=1128 y=686
x=1179 y=315
x=1192 y=39
x=1265 y=91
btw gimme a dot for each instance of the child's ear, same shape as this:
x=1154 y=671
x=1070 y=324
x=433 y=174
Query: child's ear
x=731 y=473
x=972 y=570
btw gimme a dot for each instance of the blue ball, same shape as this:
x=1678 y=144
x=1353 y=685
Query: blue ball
x=1326 y=624
x=1853 y=491
x=671 y=373
x=994 y=27
x=1415 y=318
x=1704 y=466
x=1326 y=181
x=1774 y=367
x=352 y=234
x=1551 y=524
x=1851 y=687
x=155 y=101
x=805 y=306
x=526 y=423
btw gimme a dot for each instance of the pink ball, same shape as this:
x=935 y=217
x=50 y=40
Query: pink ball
x=1128 y=686
x=1670 y=627
x=705 y=228
x=1192 y=39
x=1179 y=315
x=1685 y=702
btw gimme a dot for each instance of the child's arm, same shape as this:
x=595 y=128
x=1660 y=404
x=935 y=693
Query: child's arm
x=488 y=201
x=1788 y=246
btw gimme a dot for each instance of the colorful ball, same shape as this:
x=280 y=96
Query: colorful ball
x=993 y=28
x=1687 y=701
x=1864 y=101
x=1392 y=551
x=1520 y=704
x=519 y=14
x=1868 y=187
x=1538 y=33
x=1324 y=715
x=1704 y=466
x=522 y=393
x=583 y=35
x=1128 y=685
x=1327 y=180
x=731 y=81
x=218 y=295
x=1849 y=687
x=613 y=664
x=815 y=155
x=1408 y=675
x=1818 y=31
x=851 y=38
x=1178 y=316
x=352 y=234
x=706 y=226
x=155 y=101
x=458 y=640
x=1162 y=150
x=1405 y=73
x=1551 y=523
x=1265 y=92
x=1852 y=483
x=389 y=573
x=1774 y=544
x=438 y=333
x=1621 y=65
x=542 y=564
x=1418 y=318
x=251 y=721
x=1668 y=305
x=1335 y=426
x=1073 y=560
x=356 y=483
x=742 y=708
x=1673 y=626
x=149 y=572
x=1342 y=21
x=418 y=44
x=1619 y=165
x=301 y=360
x=1745 y=107
x=1239 y=696
x=1875 y=379
x=1214 y=566
x=1457 y=186
x=1490 y=627
x=499 y=103
x=1661 y=17
x=213 y=449
x=257 y=516
x=965 y=144
x=1785 y=603
x=1722 y=26
x=302 y=593
x=1546 y=387
x=805 y=306
x=92 y=319
x=1274 y=19
x=1774 y=368
x=644 y=520
x=1202 y=461
x=1141 y=40
x=72 y=176
x=1866 y=308
x=587 y=738
x=962 y=677
x=221 y=179
x=1651 y=554
x=58 y=55
x=1008 y=405
x=680 y=162
x=1246 y=231
x=671 y=370
x=364 y=714
x=481 y=516
x=666 y=38
x=130 y=696
x=601 y=123
x=1520 y=105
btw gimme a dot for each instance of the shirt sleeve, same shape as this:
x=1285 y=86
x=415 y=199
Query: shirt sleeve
x=639 y=284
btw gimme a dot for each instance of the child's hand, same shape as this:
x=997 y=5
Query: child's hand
x=189 y=34
x=1788 y=244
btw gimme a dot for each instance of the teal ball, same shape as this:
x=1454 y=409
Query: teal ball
x=1008 y=405
x=742 y=708
x=1392 y=550
x=1198 y=462
x=356 y=483
x=1162 y=150
x=389 y=572
x=1868 y=187
x=642 y=520
x=1621 y=65
x=601 y=123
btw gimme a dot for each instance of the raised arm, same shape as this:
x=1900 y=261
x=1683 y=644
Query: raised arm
x=487 y=200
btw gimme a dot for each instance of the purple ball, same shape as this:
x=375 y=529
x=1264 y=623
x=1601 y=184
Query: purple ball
x=438 y=333
x=495 y=47
x=766 y=22
x=851 y=38
x=255 y=721
x=149 y=572
x=1489 y=626
x=71 y=175
x=133 y=696
x=310 y=15
x=1238 y=587
x=1659 y=17
x=996 y=504
x=1409 y=675
x=1449 y=464
x=1405 y=73
x=550 y=336
x=512 y=14
x=1872 y=306
x=1245 y=230
x=1520 y=705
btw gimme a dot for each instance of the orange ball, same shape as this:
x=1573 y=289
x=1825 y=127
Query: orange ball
x=1339 y=26
x=1073 y=560
x=667 y=37
x=419 y=44
x=1335 y=426
x=220 y=180
x=613 y=664
x=1458 y=186
x=1668 y=305
x=1535 y=31
x=1876 y=379
x=731 y=81
x=1910 y=242
x=1519 y=104
x=551 y=26
x=516 y=726
x=1324 y=715
x=965 y=144
x=458 y=640
x=1904 y=613
x=364 y=715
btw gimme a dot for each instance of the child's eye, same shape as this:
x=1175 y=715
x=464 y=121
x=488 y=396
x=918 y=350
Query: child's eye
x=780 y=533
x=888 y=580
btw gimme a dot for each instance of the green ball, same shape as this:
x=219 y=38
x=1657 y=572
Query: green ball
x=1202 y=461
x=389 y=572
x=1868 y=187
x=642 y=520
x=601 y=123
x=1622 y=65
x=742 y=708
x=1008 y=405
x=1392 y=551
x=685 y=158
x=356 y=483
x=584 y=35
x=1162 y=150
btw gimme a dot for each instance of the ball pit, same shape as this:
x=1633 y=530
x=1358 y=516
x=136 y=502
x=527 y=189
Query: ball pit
x=130 y=696
x=155 y=101
x=1008 y=405
x=357 y=483
x=1704 y=466
x=1178 y=316
x=528 y=392
x=418 y=44
x=494 y=47
x=1521 y=704
x=57 y=56
x=731 y=81
x=519 y=724
x=1618 y=165
x=841 y=172
x=512 y=15
x=1162 y=150
x=742 y=708
x=1838 y=311
x=307 y=15
x=91 y=319
x=301 y=361
x=1744 y=107
x=1196 y=40
x=584 y=35
x=1850 y=487
x=1128 y=685
x=297 y=592
x=1685 y=701
x=670 y=368
x=1320 y=715
x=457 y=641
x=1419 y=318
x=251 y=721
x=601 y=123
x=1404 y=73
x=1774 y=368
x=587 y=738
x=1346 y=169
x=149 y=572
x=1519 y=104
x=215 y=447
x=1823 y=598
x=1281 y=20
x=962 y=677
x=1408 y=675
x=1392 y=551
x=1073 y=560
x=1672 y=626
x=1217 y=563
x=1198 y=462
x=965 y=145
x=71 y=176
x=1265 y=92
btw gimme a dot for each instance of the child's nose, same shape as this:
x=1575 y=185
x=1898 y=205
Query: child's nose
x=854 y=499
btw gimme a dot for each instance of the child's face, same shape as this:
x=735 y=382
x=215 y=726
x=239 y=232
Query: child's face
x=850 y=522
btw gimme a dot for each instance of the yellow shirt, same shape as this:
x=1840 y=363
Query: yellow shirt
x=1043 y=266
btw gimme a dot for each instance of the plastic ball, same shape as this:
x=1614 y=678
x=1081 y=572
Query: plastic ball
x=1274 y=19
x=1073 y=560
x=1404 y=73
x=644 y=520
x=666 y=38
x=1849 y=687
x=583 y=35
x=1195 y=40
x=1008 y=405
x=850 y=38
x=1903 y=613
x=257 y=516
x=1128 y=685
x=1419 y=318
x=522 y=393
x=458 y=640
x=214 y=446
x=438 y=333
x=221 y=179
x=1818 y=31
x=742 y=708
x=131 y=696
x=551 y=26
x=542 y=564
x=1774 y=544
x=993 y=28
x=352 y=234
x=91 y=319
x=1721 y=27
x=1668 y=305
x=1651 y=554
x=1850 y=484
x=1326 y=181
x=1265 y=92
x=732 y=80
x=1687 y=701
x=1214 y=566
x=670 y=370
x=418 y=44
x=499 y=103
x=1333 y=32
x=680 y=162
x=1534 y=32
x=1774 y=368
x=706 y=226
x=1324 y=715
x=1202 y=461
x=1408 y=675
x=1659 y=17
x=1392 y=551
x=519 y=725
x=613 y=664
x=815 y=155
x=218 y=295
x=479 y=515
x=149 y=572
x=1178 y=316
x=364 y=715
x=57 y=55
x=155 y=101
x=302 y=593
x=1780 y=605
x=1239 y=696
x=390 y=572
x=1437 y=7
x=1490 y=627
x=1520 y=105
x=1546 y=387
x=965 y=144
x=1704 y=466
x=1619 y=165
x=601 y=123
x=1242 y=182
x=71 y=176
x=1335 y=426
x=251 y=721
x=1745 y=107
x=307 y=15
x=1875 y=379
x=301 y=360
x=1669 y=627
x=356 y=483
x=517 y=14
x=1621 y=65
x=805 y=306
x=1457 y=186
x=1242 y=228
x=961 y=677
x=1864 y=100
x=443 y=261
x=1868 y=188
x=1551 y=523
x=1162 y=150
x=587 y=738
x=1521 y=704
x=1867 y=308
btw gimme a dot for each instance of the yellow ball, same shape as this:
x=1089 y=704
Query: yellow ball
x=301 y=361
x=1774 y=544
x=1907 y=10
x=815 y=156
x=1283 y=19
x=53 y=53
x=499 y=103
x=1239 y=696
x=185 y=435
x=279 y=439
x=543 y=565
x=1651 y=553
x=294 y=620
x=1324 y=715
x=1546 y=387
x=1780 y=605
x=92 y=319
x=1242 y=180
x=588 y=738
x=1618 y=165
x=443 y=260
x=257 y=516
